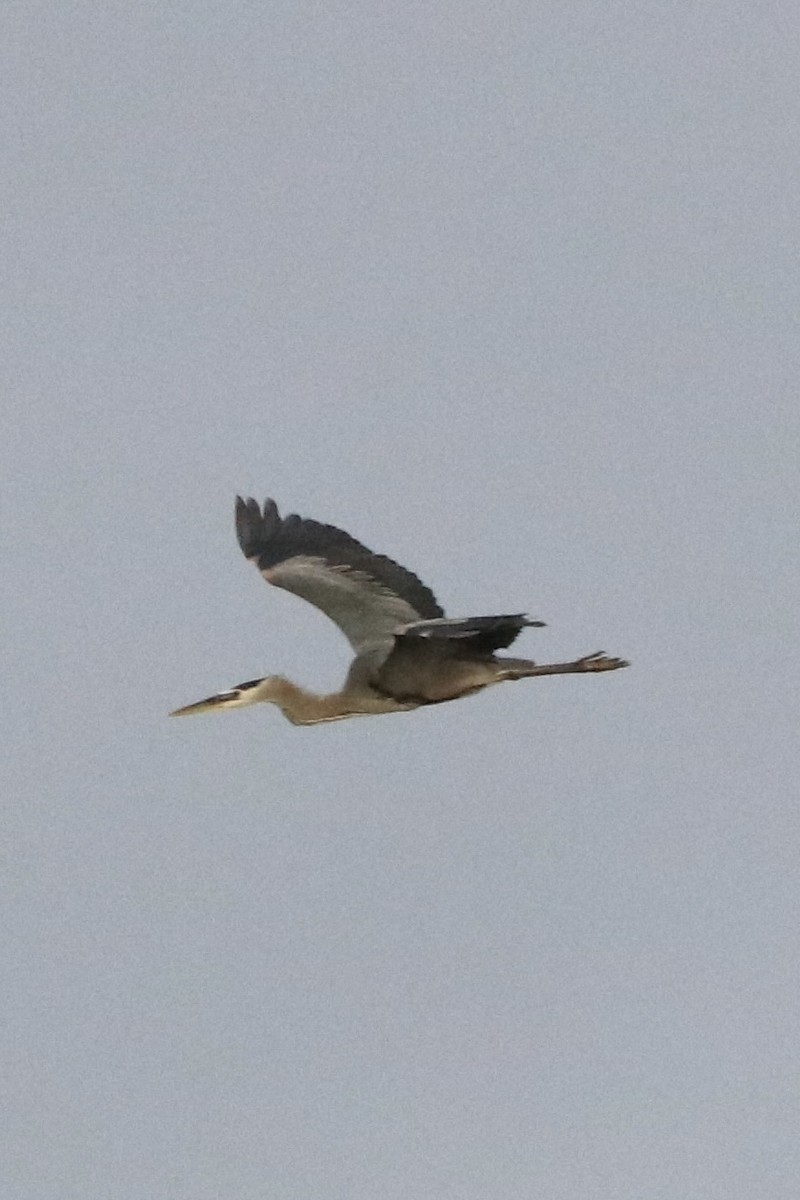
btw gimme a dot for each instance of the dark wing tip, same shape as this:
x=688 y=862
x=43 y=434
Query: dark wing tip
x=253 y=526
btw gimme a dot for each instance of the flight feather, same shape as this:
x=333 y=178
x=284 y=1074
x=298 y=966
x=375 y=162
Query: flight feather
x=369 y=596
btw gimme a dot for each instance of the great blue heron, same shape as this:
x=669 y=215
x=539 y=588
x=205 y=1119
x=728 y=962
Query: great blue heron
x=407 y=653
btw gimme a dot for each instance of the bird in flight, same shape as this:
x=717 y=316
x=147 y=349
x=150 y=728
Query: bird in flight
x=407 y=652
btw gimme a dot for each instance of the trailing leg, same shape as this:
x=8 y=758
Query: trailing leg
x=519 y=668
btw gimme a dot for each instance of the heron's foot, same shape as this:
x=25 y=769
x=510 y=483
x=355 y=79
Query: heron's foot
x=600 y=662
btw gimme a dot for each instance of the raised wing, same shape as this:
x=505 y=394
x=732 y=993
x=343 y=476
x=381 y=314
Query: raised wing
x=368 y=595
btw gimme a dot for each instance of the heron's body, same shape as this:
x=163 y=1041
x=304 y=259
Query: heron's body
x=407 y=653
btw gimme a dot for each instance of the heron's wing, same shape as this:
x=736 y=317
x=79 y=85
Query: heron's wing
x=368 y=595
x=481 y=634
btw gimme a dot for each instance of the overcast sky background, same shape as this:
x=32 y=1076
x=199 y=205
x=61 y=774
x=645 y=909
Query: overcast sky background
x=509 y=291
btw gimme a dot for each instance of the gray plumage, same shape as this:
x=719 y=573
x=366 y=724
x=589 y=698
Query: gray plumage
x=407 y=653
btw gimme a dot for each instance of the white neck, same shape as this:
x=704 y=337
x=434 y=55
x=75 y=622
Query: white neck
x=298 y=705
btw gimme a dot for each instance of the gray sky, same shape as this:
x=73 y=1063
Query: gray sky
x=510 y=291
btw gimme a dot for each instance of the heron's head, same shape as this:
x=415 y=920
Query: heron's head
x=240 y=696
